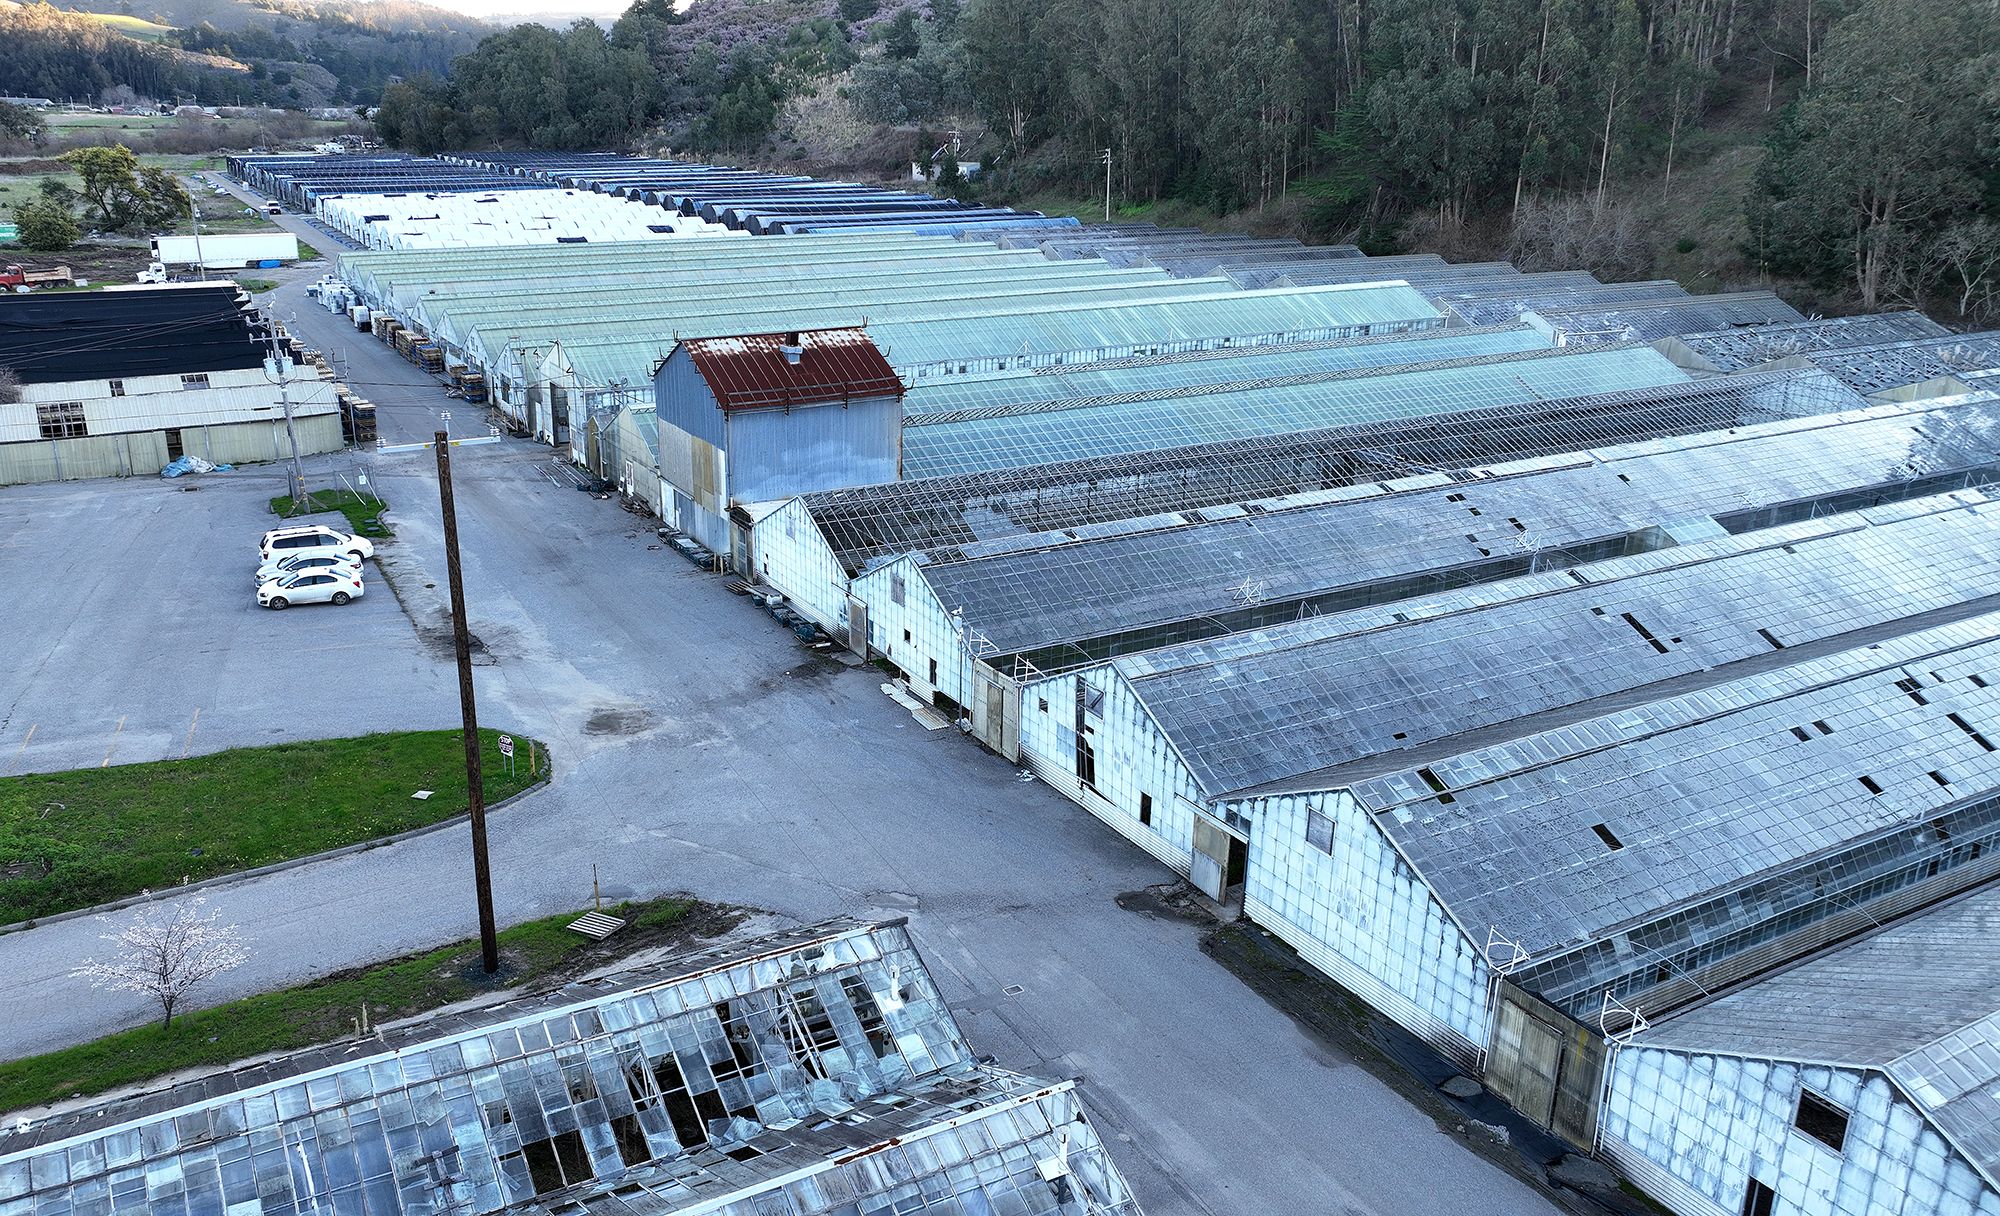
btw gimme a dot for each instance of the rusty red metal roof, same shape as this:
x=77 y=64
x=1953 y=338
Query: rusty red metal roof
x=752 y=372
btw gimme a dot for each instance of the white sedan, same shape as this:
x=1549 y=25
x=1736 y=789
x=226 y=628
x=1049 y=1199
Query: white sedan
x=299 y=563
x=310 y=587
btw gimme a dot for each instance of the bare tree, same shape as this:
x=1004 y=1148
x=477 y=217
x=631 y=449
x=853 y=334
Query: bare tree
x=10 y=386
x=1970 y=249
x=1567 y=231
x=164 y=951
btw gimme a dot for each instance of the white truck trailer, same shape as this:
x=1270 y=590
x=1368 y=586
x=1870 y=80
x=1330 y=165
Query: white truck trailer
x=226 y=250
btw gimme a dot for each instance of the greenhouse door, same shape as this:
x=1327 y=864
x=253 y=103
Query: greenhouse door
x=1549 y=1067
x=996 y=711
x=1219 y=861
x=857 y=627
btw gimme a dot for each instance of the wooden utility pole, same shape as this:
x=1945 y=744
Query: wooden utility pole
x=482 y=873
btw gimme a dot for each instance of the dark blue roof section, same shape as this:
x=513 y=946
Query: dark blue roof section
x=300 y=180
x=48 y=338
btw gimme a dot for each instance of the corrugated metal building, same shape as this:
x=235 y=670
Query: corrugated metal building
x=117 y=384
x=769 y=416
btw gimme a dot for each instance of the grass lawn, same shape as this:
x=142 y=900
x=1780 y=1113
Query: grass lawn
x=364 y=514
x=536 y=953
x=20 y=188
x=85 y=837
x=256 y=287
x=307 y=253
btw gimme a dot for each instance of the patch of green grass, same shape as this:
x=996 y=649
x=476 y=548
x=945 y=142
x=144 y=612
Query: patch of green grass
x=92 y=835
x=307 y=253
x=364 y=515
x=132 y=27
x=257 y=287
x=309 y=1015
x=659 y=914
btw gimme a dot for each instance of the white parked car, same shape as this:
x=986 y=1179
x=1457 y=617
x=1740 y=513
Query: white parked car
x=284 y=542
x=310 y=587
x=311 y=559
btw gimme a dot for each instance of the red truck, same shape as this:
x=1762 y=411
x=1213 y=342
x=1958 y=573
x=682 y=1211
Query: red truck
x=15 y=277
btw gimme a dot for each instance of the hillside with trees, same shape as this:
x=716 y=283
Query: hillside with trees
x=286 y=53
x=1844 y=149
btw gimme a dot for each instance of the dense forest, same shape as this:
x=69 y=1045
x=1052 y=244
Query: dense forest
x=276 y=52
x=46 y=52
x=1546 y=127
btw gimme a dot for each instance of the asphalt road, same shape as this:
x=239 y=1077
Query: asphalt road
x=698 y=747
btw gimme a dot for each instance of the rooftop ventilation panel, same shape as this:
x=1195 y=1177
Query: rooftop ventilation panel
x=791 y=349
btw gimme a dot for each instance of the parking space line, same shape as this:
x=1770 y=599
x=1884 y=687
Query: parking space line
x=23 y=749
x=190 y=735
x=114 y=742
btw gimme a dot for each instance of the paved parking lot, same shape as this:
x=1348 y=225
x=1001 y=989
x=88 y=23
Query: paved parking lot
x=136 y=635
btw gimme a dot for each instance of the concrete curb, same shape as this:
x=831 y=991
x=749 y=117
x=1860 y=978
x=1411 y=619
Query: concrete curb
x=276 y=867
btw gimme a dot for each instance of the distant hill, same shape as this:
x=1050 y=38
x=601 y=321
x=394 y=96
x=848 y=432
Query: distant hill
x=295 y=53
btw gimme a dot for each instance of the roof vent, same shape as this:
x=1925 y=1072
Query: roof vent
x=791 y=349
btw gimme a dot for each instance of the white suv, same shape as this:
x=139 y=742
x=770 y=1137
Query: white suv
x=285 y=542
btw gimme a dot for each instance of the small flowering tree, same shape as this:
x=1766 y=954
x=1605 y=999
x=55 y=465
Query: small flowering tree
x=164 y=951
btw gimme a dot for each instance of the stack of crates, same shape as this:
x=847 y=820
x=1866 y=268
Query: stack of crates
x=357 y=416
x=470 y=384
x=428 y=356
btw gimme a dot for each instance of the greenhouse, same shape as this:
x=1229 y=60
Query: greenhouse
x=1930 y=363
x=973 y=440
x=1079 y=595
x=756 y=1077
x=861 y=526
x=509 y=217
x=1649 y=320
x=1733 y=350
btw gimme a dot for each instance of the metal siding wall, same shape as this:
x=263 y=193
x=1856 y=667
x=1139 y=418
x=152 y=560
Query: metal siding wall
x=124 y=455
x=781 y=453
x=253 y=442
x=681 y=397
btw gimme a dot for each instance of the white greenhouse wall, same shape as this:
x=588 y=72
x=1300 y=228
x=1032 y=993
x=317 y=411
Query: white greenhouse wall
x=1697 y=1128
x=915 y=632
x=1361 y=915
x=1133 y=758
x=788 y=552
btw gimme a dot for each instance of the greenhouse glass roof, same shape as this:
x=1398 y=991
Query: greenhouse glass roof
x=867 y=523
x=1874 y=369
x=1087 y=593
x=1649 y=321
x=1703 y=791
x=1852 y=1007
x=1731 y=350
x=1285 y=703
x=935 y=338
x=971 y=441
x=1189 y=368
